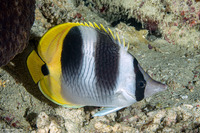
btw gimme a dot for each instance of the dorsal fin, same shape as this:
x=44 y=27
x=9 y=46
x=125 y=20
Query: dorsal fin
x=122 y=42
x=110 y=31
x=115 y=36
x=102 y=28
x=86 y=24
x=118 y=39
x=91 y=24
x=96 y=26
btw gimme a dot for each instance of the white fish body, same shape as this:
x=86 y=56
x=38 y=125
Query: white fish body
x=92 y=69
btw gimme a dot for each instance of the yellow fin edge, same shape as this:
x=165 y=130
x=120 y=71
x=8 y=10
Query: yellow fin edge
x=102 y=28
x=34 y=64
x=51 y=89
x=49 y=43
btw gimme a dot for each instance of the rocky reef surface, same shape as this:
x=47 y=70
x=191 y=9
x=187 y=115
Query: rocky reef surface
x=16 y=20
x=23 y=108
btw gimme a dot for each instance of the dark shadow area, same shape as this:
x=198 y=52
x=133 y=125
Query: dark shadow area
x=88 y=109
x=17 y=68
x=148 y=108
x=131 y=22
x=31 y=118
x=150 y=26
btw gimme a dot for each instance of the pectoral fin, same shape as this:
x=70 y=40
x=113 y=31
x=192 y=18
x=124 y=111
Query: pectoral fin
x=107 y=110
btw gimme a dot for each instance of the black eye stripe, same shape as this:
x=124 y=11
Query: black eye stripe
x=72 y=52
x=139 y=91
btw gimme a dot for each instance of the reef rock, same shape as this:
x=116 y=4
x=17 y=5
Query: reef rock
x=16 y=19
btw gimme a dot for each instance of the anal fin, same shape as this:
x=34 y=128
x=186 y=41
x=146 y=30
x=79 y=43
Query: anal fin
x=51 y=89
x=107 y=110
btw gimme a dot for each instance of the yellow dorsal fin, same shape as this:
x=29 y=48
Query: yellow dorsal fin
x=124 y=44
x=102 y=27
x=34 y=64
x=110 y=31
x=128 y=45
x=80 y=23
x=117 y=35
x=86 y=24
x=111 y=34
x=91 y=24
x=96 y=26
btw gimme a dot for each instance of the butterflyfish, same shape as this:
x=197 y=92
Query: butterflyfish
x=78 y=65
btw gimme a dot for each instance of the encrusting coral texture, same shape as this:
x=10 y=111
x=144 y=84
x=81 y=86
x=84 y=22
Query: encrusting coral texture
x=178 y=21
x=16 y=19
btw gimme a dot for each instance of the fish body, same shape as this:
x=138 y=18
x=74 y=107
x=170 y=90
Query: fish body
x=79 y=65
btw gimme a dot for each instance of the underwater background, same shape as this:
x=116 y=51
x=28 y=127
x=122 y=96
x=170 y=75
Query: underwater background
x=164 y=36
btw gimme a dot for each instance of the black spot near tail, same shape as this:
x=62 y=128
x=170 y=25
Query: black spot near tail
x=45 y=70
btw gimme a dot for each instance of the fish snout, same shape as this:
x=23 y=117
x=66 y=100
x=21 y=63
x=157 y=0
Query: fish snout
x=154 y=87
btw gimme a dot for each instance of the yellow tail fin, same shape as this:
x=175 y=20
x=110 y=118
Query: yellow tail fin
x=34 y=64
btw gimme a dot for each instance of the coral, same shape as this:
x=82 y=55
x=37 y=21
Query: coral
x=11 y=121
x=58 y=11
x=62 y=11
x=73 y=118
x=131 y=35
x=182 y=118
x=177 y=20
x=16 y=19
x=46 y=124
x=175 y=110
x=183 y=26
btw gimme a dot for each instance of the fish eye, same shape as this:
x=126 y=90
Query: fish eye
x=142 y=84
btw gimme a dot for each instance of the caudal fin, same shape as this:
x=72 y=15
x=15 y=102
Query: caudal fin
x=34 y=64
